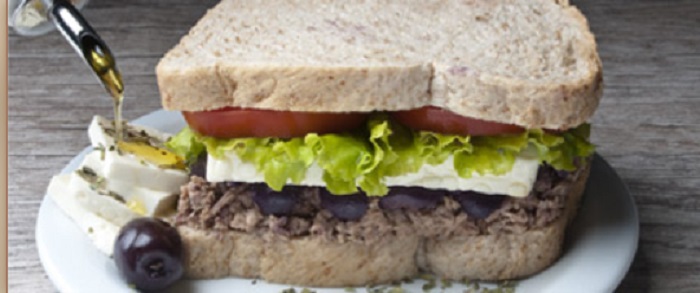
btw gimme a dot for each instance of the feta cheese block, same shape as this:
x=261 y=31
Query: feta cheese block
x=517 y=182
x=101 y=232
x=101 y=132
x=154 y=202
x=130 y=168
x=104 y=203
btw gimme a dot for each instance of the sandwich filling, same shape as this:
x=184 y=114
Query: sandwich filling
x=392 y=173
x=300 y=211
x=364 y=159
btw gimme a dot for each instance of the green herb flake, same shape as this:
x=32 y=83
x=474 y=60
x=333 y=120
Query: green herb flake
x=445 y=283
x=350 y=289
x=502 y=287
x=376 y=289
x=289 y=290
x=307 y=290
x=427 y=277
x=508 y=286
x=466 y=282
x=430 y=285
x=101 y=148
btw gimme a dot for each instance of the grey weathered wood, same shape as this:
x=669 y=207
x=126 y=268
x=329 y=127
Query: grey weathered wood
x=647 y=126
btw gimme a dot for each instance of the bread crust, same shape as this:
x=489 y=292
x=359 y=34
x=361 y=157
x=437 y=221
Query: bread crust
x=309 y=261
x=308 y=89
x=211 y=254
x=318 y=262
x=313 y=261
x=502 y=256
x=563 y=97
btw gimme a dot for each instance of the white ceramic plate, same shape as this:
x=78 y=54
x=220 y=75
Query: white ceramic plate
x=599 y=249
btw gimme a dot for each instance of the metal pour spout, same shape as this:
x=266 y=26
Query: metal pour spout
x=32 y=17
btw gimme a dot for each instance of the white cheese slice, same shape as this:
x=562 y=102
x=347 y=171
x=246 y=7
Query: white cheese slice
x=517 y=182
x=154 y=202
x=101 y=232
x=102 y=205
x=130 y=168
x=98 y=135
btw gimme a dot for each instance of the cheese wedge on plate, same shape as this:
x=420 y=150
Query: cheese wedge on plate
x=127 y=167
x=116 y=183
x=101 y=232
x=143 y=200
x=106 y=204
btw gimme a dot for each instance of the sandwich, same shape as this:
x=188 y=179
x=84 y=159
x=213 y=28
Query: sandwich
x=363 y=142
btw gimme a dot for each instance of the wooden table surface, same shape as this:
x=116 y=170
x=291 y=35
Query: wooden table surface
x=647 y=125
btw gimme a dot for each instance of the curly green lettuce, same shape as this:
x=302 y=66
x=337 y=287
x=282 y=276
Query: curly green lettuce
x=383 y=149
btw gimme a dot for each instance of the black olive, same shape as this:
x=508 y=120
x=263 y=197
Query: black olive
x=478 y=205
x=350 y=207
x=411 y=198
x=148 y=253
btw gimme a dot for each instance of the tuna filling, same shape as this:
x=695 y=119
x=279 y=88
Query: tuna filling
x=312 y=211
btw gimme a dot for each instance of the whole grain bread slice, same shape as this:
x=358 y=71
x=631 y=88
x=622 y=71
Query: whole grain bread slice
x=531 y=63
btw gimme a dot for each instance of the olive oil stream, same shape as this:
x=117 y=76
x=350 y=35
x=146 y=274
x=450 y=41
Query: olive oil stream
x=102 y=63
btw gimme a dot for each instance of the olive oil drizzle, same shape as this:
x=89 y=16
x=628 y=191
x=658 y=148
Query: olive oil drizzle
x=100 y=59
x=88 y=44
x=102 y=63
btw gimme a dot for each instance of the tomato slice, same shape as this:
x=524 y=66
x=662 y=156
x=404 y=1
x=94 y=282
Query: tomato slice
x=443 y=121
x=237 y=122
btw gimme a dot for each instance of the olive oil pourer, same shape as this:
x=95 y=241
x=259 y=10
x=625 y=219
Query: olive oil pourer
x=35 y=17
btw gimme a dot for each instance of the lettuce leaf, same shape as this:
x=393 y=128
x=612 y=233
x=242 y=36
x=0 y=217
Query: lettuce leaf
x=343 y=158
x=383 y=149
x=186 y=144
x=560 y=151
